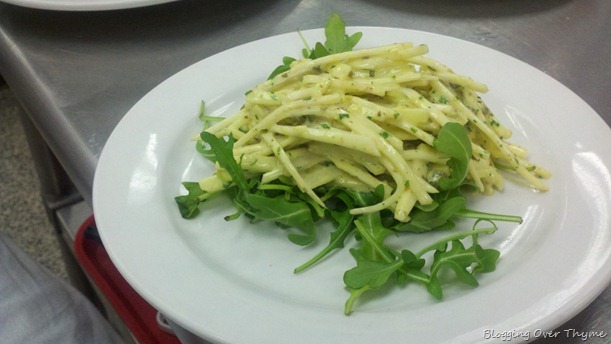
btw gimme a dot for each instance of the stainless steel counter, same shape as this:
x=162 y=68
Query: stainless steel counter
x=77 y=73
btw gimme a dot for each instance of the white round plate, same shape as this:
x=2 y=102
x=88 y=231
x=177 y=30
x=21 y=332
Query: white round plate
x=85 y=5
x=233 y=282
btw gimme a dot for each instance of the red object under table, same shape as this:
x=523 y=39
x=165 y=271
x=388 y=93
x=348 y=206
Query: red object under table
x=137 y=314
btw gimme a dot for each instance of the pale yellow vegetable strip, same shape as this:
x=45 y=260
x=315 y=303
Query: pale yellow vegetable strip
x=405 y=204
x=541 y=172
x=366 y=121
x=372 y=63
x=261 y=148
x=224 y=123
x=407 y=77
x=391 y=200
x=517 y=150
x=353 y=170
x=305 y=93
x=263 y=98
x=331 y=136
x=419 y=168
x=211 y=184
x=462 y=81
x=454 y=101
x=475 y=177
x=351 y=183
x=429 y=62
x=447 y=109
x=368 y=161
x=401 y=121
x=297 y=108
x=302 y=67
x=289 y=167
x=364 y=86
x=298 y=69
x=473 y=101
x=255 y=148
x=395 y=163
x=257 y=163
x=424 y=153
x=534 y=181
x=300 y=161
x=423 y=103
x=488 y=174
x=230 y=127
x=479 y=151
x=391 y=147
x=398 y=51
x=321 y=175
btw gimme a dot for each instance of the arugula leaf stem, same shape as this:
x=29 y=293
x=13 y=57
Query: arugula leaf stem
x=275 y=187
x=304 y=42
x=457 y=236
x=335 y=243
x=354 y=295
x=233 y=216
x=378 y=247
x=474 y=214
x=212 y=118
x=414 y=276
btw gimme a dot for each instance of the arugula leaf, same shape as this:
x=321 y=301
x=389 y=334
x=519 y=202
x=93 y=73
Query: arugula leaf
x=460 y=260
x=487 y=259
x=374 y=270
x=362 y=199
x=277 y=209
x=344 y=227
x=188 y=205
x=438 y=218
x=340 y=201
x=454 y=142
x=375 y=261
x=291 y=214
x=367 y=275
x=412 y=269
x=205 y=151
x=284 y=67
x=223 y=153
x=369 y=272
x=337 y=39
x=218 y=150
x=446 y=206
x=354 y=295
x=370 y=227
x=319 y=51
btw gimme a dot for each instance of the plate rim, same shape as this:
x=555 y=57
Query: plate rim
x=578 y=306
x=85 y=5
